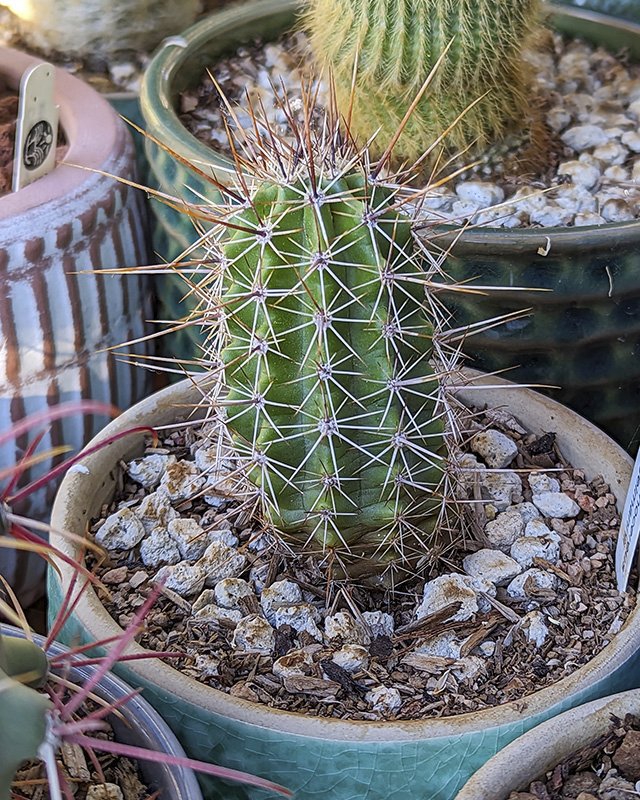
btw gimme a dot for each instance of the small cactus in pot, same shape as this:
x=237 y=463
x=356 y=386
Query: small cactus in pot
x=323 y=325
x=388 y=50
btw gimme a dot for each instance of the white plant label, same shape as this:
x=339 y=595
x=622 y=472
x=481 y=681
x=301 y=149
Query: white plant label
x=629 y=530
x=37 y=127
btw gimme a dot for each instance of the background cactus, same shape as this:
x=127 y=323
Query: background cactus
x=329 y=335
x=394 y=45
x=99 y=28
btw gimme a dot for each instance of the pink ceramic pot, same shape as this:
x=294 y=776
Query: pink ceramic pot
x=58 y=314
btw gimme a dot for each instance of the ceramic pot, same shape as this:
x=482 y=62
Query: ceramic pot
x=332 y=758
x=583 y=336
x=539 y=750
x=58 y=313
x=136 y=724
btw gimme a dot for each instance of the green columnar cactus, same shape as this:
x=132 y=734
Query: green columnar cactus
x=393 y=45
x=327 y=336
x=23 y=710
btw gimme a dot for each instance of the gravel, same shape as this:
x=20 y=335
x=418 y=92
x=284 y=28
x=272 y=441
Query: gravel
x=592 y=101
x=529 y=597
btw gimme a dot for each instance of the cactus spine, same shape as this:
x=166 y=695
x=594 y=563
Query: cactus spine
x=327 y=341
x=394 y=45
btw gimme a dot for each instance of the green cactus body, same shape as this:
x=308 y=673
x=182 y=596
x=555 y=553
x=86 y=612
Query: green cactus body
x=23 y=710
x=331 y=396
x=396 y=44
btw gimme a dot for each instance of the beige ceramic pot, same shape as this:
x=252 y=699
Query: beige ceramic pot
x=539 y=750
x=58 y=314
x=337 y=759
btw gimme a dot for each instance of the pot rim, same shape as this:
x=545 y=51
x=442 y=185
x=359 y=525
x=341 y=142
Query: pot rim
x=93 y=615
x=92 y=129
x=170 y=58
x=541 y=748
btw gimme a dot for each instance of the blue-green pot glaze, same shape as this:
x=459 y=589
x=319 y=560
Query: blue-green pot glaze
x=584 y=338
x=324 y=758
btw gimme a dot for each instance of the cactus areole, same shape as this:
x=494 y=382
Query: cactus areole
x=392 y=46
x=328 y=339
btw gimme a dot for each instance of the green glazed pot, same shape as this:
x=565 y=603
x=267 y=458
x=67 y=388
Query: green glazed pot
x=583 y=337
x=325 y=758
x=625 y=9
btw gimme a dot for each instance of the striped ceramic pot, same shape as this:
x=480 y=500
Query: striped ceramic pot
x=58 y=313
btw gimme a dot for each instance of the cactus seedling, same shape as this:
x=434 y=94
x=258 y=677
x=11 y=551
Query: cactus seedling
x=386 y=50
x=322 y=313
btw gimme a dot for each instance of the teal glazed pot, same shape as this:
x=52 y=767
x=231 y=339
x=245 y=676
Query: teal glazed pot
x=625 y=9
x=327 y=758
x=582 y=336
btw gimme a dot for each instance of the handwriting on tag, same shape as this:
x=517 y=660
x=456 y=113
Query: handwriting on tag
x=629 y=530
x=37 y=127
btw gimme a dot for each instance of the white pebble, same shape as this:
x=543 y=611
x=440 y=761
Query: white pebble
x=351 y=657
x=220 y=561
x=229 y=592
x=155 y=511
x=121 y=530
x=501 y=487
x=527 y=511
x=584 y=137
x=384 y=699
x=217 y=614
x=611 y=153
x=537 y=527
x=539 y=482
x=379 y=623
x=526 y=548
x=148 y=470
x=617 y=210
x=444 y=645
x=189 y=537
x=481 y=193
x=182 y=480
x=632 y=140
x=183 y=578
x=253 y=634
x=497 y=449
x=301 y=618
x=444 y=590
x=279 y=594
x=531 y=580
x=583 y=219
x=158 y=548
x=551 y=216
x=104 y=791
x=295 y=662
x=556 y=505
x=581 y=174
x=502 y=531
x=343 y=625
x=468 y=668
x=491 y=565
x=534 y=627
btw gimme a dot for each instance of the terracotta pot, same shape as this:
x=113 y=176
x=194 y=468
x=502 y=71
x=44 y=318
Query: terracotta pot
x=136 y=724
x=539 y=750
x=58 y=314
x=582 y=336
x=331 y=758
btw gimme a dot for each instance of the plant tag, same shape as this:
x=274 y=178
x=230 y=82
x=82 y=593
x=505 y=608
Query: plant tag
x=37 y=127
x=629 y=530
